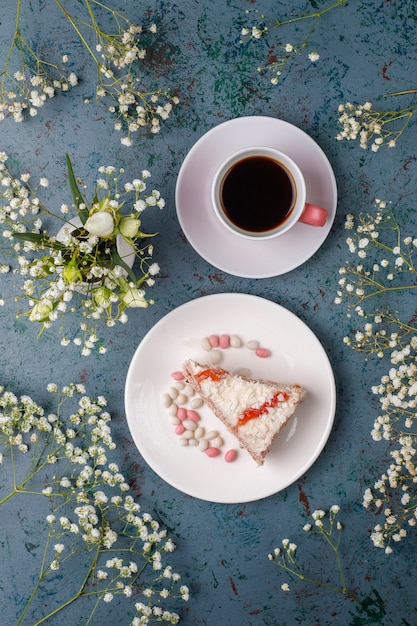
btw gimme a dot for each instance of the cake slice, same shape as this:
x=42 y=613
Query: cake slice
x=255 y=411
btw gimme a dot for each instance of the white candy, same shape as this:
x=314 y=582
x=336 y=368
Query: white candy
x=174 y=420
x=212 y=434
x=203 y=444
x=173 y=393
x=166 y=400
x=235 y=341
x=243 y=371
x=183 y=442
x=252 y=344
x=199 y=432
x=196 y=403
x=172 y=410
x=189 y=424
x=188 y=390
x=215 y=357
x=193 y=442
x=205 y=344
x=182 y=399
x=217 y=442
x=188 y=434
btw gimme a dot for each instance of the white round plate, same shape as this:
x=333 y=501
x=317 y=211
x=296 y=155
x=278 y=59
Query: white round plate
x=231 y=253
x=296 y=357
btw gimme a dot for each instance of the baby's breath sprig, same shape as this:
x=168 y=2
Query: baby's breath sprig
x=372 y=127
x=329 y=529
x=262 y=26
x=326 y=527
x=118 y=55
x=394 y=495
x=27 y=81
x=94 y=517
x=89 y=260
x=384 y=264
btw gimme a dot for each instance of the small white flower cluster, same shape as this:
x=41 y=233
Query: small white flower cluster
x=394 y=494
x=324 y=525
x=119 y=59
x=27 y=90
x=255 y=32
x=371 y=127
x=92 y=509
x=134 y=106
x=290 y=50
x=84 y=263
x=384 y=264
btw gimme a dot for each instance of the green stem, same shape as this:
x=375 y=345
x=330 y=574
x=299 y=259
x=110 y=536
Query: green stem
x=402 y=93
x=344 y=591
x=38 y=463
x=403 y=325
x=339 y=563
x=14 y=490
x=37 y=584
x=75 y=597
x=315 y=15
x=383 y=289
x=92 y=16
x=15 y=36
x=72 y=21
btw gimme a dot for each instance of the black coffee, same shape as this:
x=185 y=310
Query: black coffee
x=257 y=194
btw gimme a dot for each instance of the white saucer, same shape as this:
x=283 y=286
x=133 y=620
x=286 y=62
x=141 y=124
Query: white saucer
x=231 y=253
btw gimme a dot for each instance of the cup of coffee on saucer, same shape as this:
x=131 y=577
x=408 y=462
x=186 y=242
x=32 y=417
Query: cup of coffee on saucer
x=260 y=193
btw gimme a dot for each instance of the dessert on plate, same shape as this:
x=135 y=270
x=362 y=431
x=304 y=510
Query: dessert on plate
x=255 y=411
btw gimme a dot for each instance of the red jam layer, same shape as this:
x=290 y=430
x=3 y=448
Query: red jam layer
x=218 y=374
x=255 y=412
x=213 y=374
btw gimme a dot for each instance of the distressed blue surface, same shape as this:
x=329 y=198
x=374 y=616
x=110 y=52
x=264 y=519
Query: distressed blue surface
x=366 y=49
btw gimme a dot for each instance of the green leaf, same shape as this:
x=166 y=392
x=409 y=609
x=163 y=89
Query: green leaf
x=119 y=261
x=76 y=193
x=39 y=239
x=32 y=237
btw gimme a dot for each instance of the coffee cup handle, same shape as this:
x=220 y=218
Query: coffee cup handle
x=313 y=215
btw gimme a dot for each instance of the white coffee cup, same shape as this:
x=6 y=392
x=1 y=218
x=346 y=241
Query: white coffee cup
x=260 y=193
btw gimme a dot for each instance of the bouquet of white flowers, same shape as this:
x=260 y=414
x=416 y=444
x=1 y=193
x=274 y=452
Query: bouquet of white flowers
x=90 y=257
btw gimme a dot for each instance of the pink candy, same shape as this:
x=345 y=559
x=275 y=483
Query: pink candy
x=182 y=413
x=263 y=353
x=214 y=341
x=192 y=415
x=179 y=429
x=230 y=456
x=212 y=452
x=177 y=375
x=224 y=341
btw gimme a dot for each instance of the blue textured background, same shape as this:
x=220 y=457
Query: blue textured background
x=366 y=49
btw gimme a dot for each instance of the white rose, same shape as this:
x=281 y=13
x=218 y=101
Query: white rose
x=100 y=224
